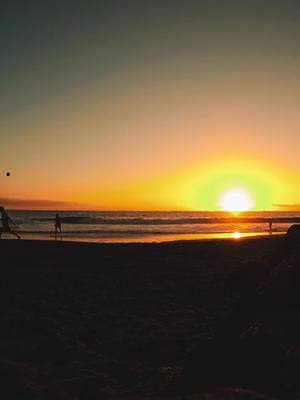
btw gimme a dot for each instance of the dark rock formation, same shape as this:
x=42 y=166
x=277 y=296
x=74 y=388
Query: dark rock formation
x=292 y=238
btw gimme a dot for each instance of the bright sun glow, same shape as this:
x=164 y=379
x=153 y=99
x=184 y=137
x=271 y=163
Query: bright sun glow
x=236 y=200
x=236 y=235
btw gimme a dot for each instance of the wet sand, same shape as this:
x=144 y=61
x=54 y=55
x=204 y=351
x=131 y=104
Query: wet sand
x=91 y=321
x=145 y=238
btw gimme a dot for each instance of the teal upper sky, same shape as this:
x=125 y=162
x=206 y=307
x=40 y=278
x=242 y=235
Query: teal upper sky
x=50 y=46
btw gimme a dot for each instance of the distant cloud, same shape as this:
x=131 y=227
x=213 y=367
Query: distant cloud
x=287 y=207
x=27 y=204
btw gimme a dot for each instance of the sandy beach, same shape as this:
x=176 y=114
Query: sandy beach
x=90 y=321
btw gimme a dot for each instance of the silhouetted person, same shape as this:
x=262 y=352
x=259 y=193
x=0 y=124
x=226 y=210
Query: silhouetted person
x=57 y=226
x=270 y=228
x=6 y=220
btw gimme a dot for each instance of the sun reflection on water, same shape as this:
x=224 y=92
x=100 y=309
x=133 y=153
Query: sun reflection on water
x=236 y=235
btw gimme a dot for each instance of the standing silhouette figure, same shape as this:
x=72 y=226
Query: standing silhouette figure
x=57 y=226
x=6 y=220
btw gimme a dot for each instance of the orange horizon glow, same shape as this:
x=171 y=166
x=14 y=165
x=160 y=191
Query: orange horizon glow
x=197 y=188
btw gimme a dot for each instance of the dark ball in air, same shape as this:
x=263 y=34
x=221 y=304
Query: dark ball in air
x=7 y=173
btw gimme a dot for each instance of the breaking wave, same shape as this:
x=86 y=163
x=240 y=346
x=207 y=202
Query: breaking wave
x=75 y=220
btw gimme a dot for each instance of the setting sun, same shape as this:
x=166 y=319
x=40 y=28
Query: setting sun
x=236 y=200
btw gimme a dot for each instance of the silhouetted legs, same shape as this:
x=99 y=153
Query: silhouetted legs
x=9 y=231
x=58 y=232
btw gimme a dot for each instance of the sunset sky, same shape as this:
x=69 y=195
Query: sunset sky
x=149 y=105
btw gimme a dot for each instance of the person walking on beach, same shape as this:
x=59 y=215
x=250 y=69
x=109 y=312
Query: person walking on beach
x=6 y=220
x=57 y=226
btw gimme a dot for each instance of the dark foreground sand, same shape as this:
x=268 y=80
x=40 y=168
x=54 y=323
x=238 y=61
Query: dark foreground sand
x=202 y=320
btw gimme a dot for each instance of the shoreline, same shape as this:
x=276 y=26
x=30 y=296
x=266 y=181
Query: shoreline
x=146 y=238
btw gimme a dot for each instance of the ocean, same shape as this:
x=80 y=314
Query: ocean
x=158 y=226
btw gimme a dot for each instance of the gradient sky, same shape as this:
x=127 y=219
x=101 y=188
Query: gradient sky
x=149 y=104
